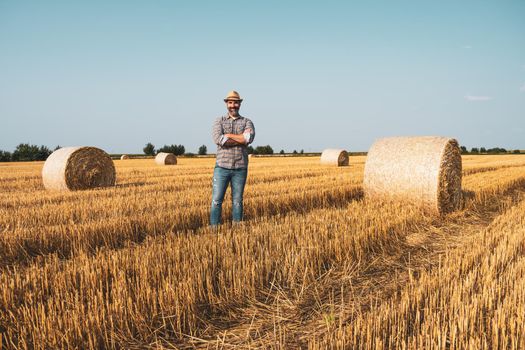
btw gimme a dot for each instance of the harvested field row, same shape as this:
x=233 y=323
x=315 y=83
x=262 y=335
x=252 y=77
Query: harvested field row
x=325 y=314
x=468 y=299
x=184 y=176
x=67 y=204
x=489 y=168
x=86 y=226
x=311 y=260
x=472 y=161
x=129 y=189
x=26 y=177
x=173 y=302
x=22 y=244
x=57 y=208
x=36 y=230
x=93 y=291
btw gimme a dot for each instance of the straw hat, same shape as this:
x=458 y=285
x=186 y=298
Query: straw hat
x=233 y=96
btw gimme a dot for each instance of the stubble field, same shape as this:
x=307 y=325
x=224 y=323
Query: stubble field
x=315 y=265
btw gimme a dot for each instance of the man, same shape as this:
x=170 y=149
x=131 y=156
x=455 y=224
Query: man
x=232 y=133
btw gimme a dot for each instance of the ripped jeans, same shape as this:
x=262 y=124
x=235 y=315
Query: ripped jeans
x=221 y=178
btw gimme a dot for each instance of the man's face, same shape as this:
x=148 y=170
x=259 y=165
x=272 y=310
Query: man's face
x=233 y=107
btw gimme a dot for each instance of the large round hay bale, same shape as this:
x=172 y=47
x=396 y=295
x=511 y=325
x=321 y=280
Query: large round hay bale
x=422 y=170
x=164 y=158
x=78 y=168
x=337 y=157
x=124 y=157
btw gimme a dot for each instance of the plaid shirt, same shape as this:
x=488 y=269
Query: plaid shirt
x=232 y=157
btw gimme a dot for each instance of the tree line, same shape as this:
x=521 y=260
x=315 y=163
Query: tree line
x=178 y=150
x=26 y=152
x=483 y=150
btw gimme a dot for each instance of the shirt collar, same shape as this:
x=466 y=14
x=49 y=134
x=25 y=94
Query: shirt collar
x=228 y=116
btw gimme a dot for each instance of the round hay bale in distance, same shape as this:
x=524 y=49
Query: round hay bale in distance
x=164 y=158
x=332 y=156
x=424 y=170
x=124 y=157
x=78 y=168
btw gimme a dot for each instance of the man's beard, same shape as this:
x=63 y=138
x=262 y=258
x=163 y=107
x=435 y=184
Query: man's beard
x=233 y=111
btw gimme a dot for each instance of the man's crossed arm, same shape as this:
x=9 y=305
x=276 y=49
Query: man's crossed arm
x=237 y=139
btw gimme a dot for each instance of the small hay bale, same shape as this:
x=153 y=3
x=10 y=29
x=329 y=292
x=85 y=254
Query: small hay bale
x=337 y=157
x=164 y=158
x=78 y=168
x=423 y=170
x=124 y=157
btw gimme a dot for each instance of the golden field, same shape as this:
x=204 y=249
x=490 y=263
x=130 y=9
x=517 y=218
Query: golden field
x=315 y=265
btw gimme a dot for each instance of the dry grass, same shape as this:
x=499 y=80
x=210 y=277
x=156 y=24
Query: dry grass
x=315 y=265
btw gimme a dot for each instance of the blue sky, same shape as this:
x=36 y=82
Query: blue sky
x=313 y=75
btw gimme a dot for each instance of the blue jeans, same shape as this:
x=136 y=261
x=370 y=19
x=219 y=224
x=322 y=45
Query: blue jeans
x=221 y=178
